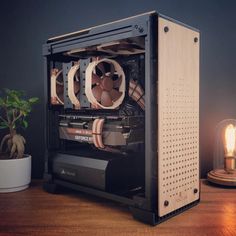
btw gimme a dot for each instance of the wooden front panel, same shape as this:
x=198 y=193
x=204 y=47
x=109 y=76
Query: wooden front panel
x=178 y=116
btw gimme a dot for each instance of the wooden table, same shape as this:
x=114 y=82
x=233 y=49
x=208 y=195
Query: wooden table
x=35 y=212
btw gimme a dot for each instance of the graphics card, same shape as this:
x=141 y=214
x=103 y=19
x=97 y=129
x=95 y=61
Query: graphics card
x=106 y=134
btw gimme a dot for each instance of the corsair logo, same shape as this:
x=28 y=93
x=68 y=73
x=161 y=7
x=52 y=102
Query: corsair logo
x=69 y=173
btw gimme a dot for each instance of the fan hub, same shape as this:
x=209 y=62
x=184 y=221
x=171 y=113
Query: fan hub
x=106 y=83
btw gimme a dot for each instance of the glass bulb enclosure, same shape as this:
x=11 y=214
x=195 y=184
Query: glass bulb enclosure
x=224 y=159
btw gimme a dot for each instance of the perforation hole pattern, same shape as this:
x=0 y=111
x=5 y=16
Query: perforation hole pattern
x=179 y=139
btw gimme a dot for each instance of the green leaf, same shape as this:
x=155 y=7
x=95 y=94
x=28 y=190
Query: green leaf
x=14 y=93
x=2 y=102
x=3 y=125
x=16 y=107
x=33 y=100
x=25 y=123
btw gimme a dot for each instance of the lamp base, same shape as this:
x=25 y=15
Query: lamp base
x=221 y=177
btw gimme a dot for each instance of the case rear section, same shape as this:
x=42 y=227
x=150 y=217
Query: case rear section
x=122 y=105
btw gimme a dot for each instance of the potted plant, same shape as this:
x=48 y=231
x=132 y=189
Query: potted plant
x=15 y=165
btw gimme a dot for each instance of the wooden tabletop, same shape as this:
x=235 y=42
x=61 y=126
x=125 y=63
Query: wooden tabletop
x=35 y=212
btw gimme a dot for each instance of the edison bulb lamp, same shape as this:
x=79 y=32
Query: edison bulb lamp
x=224 y=159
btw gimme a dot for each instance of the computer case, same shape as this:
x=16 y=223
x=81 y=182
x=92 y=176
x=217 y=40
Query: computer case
x=122 y=114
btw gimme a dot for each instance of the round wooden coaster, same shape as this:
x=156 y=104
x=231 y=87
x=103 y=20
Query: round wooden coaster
x=221 y=177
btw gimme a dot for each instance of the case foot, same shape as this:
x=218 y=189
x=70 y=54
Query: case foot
x=50 y=187
x=144 y=216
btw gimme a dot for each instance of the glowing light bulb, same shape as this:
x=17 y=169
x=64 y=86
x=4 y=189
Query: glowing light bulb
x=230 y=138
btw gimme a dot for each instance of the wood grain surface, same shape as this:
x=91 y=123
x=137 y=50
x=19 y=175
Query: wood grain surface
x=35 y=212
x=178 y=115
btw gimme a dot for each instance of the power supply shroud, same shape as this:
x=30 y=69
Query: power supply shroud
x=151 y=157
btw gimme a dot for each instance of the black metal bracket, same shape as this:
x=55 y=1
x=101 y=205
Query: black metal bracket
x=66 y=67
x=82 y=97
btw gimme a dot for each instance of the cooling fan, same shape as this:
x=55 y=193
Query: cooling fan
x=57 y=87
x=122 y=47
x=105 y=84
x=87 y=52
x=73 y=85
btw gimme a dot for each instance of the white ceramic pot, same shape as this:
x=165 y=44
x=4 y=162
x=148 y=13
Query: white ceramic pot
x=15 y=174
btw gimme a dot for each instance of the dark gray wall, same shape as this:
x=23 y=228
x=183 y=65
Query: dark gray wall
x=25 y=25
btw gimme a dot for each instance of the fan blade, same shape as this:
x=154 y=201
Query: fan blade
x=77 y=75
x=126 y=46
x=106 y=99
x=61 y=96
x=115 y=95
x=95 y=79
x=112 y=70
x=76 y=87
x=117 y=82
x=107 y=83
x=101 y=67
x=59 y=88
x=97 y=92
x=130 y=49
x=59 y=79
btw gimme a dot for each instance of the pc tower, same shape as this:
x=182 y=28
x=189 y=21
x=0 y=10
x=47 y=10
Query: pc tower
x=122 y=114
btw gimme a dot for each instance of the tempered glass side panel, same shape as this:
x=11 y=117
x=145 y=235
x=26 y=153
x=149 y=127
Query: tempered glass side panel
x=96 y=131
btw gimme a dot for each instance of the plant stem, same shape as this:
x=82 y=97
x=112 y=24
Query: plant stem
x=3 y=141
x=12 y=130
x=18 y=117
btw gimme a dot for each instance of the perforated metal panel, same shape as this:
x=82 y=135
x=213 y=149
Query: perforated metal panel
x=178 y=116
